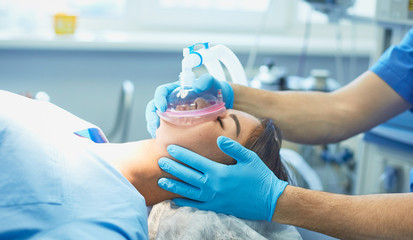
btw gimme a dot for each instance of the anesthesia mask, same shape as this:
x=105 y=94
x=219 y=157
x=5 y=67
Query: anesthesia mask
x=187 y=107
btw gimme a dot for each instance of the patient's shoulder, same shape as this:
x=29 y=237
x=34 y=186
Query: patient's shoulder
x=35 y=114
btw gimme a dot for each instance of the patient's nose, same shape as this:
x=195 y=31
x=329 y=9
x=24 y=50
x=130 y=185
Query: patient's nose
x=201 y=103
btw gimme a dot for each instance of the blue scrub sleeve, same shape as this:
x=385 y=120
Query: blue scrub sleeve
x=96 y=229
x=411 y=180
x=395 y=67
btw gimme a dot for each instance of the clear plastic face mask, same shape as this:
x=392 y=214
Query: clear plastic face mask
x=187 y=108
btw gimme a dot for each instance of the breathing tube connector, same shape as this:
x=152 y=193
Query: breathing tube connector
x=187 y=107
x=191 y=60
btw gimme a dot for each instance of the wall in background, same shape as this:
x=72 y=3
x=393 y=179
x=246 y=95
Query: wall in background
x=87 y=83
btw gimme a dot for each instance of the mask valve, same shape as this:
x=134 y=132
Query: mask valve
x=187 y=107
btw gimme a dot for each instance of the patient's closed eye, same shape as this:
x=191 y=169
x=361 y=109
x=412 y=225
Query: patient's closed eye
x=220 y=122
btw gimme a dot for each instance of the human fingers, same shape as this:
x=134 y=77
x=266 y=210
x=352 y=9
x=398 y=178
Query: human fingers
x=161 y=93
x=182 y=202
x=182 y=172
x=192 y=159
x=236 y=150
x=152 y=119
x=180 y=188
x=205 y=82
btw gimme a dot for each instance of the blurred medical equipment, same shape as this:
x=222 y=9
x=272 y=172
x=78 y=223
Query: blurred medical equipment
x=301 y=173
x=319 y=80
x=334 y=9
x=399 y=12
x=186 y=106
x=253 y=51
x=395 y=18
x=122 y=122
x=42 y=96
x=270 y=77
x=385 y=158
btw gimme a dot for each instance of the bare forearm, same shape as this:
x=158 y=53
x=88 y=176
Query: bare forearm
x=347 y=217
x=305 y=117
x=318 y=117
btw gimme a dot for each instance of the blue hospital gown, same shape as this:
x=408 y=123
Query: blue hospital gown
x=53 y=186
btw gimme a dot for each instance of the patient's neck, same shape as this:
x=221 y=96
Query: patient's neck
x=138 y=162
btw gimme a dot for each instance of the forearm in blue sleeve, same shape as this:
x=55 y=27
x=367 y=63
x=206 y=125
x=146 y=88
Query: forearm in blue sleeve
x=395 y=67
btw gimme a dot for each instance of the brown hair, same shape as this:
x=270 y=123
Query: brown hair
x=265 y=141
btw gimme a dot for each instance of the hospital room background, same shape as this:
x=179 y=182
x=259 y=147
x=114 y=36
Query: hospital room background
x=103 y=59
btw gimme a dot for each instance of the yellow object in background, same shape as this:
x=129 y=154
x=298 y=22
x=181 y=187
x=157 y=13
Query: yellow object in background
x=64 y=24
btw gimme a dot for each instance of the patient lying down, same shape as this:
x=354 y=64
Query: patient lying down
x=66 y=181
x=137 y=161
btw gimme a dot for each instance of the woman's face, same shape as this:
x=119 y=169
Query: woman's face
x=202 y=138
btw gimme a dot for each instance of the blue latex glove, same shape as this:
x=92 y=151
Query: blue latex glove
x=248 y=189
x=205 y=82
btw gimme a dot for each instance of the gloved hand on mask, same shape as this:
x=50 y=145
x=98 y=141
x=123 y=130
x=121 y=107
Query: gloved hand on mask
x=204 y=83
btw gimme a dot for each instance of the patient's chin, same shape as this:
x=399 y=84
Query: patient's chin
x=221 y=157
x=228 y=161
